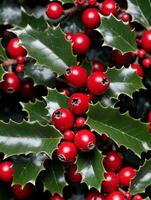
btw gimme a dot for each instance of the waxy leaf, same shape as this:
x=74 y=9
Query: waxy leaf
x=117 y=34
x=121 y=128
x=91 y=167
x=3 y=55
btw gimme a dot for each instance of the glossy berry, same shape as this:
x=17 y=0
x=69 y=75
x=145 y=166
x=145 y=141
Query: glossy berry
x=68 y=135
x=110 y=183
x=137 y=197
x=146 y=40
x=76 y=76
x=73 y=175
x=91 y=18
x=116 y=195
x=92 y=2
x=63 y=119
x=139 y=69
x=108 y=7
x=113 y=161
x=19 y=68
x=54 y=10
x=80 y=43
x=125 y=17
x=85 y=140
x=14 y=49
x=141 y=53
x=95 y=195
x=98 y=83
x=98 y=66
x=80 y=122
x=78 y=103
x=66 y=151
x=22 y=192
x=27 y=88
x=56 y=196
x=68 y=36
x=6 y=171
x=20 y=60
x=126 y=174
x=121 y=59
x=127 y=195
x=11 y=83
x=147 y=62
x=80 y=2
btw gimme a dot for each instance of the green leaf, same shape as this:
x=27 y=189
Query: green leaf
x=54 y=179
x=91 y=167
x=140 y=11
x=18 y=138
x=37 y=112
x=27 y=168
x=121 y=128
x=3 y=55
x=117 y=34
x=48 y=47
x=142 y=179
x=123 y=80
x=55 y=100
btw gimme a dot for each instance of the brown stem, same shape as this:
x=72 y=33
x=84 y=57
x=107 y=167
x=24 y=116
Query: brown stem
x=71 y=10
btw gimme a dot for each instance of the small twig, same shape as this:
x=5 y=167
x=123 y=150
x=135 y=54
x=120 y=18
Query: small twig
x=71 y=10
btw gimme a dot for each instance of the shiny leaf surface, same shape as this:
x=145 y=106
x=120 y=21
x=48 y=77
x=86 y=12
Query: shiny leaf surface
x=121 y=128
x=91 y=167
x=117 y=34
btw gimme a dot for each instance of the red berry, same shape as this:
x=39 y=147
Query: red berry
x=68 y=36
x=110 y=183
x=108 y=7
x=149 y=116
x=147 y=62
x=66 y=151
x=98 y=66
x=20 y=60
x=19 y=68
x=128 y=195
x=125 y=17
x=27 y=88
x=85 y=140
x=14 y=50
x=6 y=171
x=73 y=175
x=98 y=83
x=126 y=175
x=22 y=192
x=65 y=92
x=69 y=135
x=120 y=59
x=91 y=18
x=56 y=196
x=63 y=119
x=113 y=161
x=80 y=43
x=146 y=40
x=80 y=2
x=92 y=2
x=80 y=122
x=141 y=53
x=78 y=103
x=116 y=195
x=95 y=195
x=11 y=83
x=76 y=76
x=139 y=69
x=54 y=10
x=137 y=197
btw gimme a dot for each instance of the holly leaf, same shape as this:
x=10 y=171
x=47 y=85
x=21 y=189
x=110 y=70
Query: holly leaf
x=37 y=112
x=22 y=165
x=140 y=11
x=91 y=167
x=3 y=55
x=117 y=34
x=142 y=178
x=123 y=80
x=47 y=47
x=24 y=138
x=54 y=179
x=121 y=128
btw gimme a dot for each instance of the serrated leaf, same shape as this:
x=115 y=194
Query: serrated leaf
x=18 y=138
x=37 y=112
x=3 y=55
x=123 y=80
x=117 y=34
x=142 y=179
x=140 y=11
x=54 y=180
x=27 y=168
x=48 y=47
x=91 y=167
x=121 y=128
x=55 y=100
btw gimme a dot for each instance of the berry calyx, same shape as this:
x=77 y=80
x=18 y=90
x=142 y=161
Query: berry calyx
x=91 y=18
x=116 y=195
x=110 y=183
x=108 y=7
x=98 y=83
x=22 y=192
x=72 y=175
x=146 y=40
x=80 y=122
x=76 y=76
x=85 y=140
x=78 y=103
x=126 y=175
x=80 y=43
x=14 y=49
x=113 y=161
x=98 y=66
x=6 y=171
x=54 y=10
x=66 y=151
x=68 y=135
x=63 y=119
